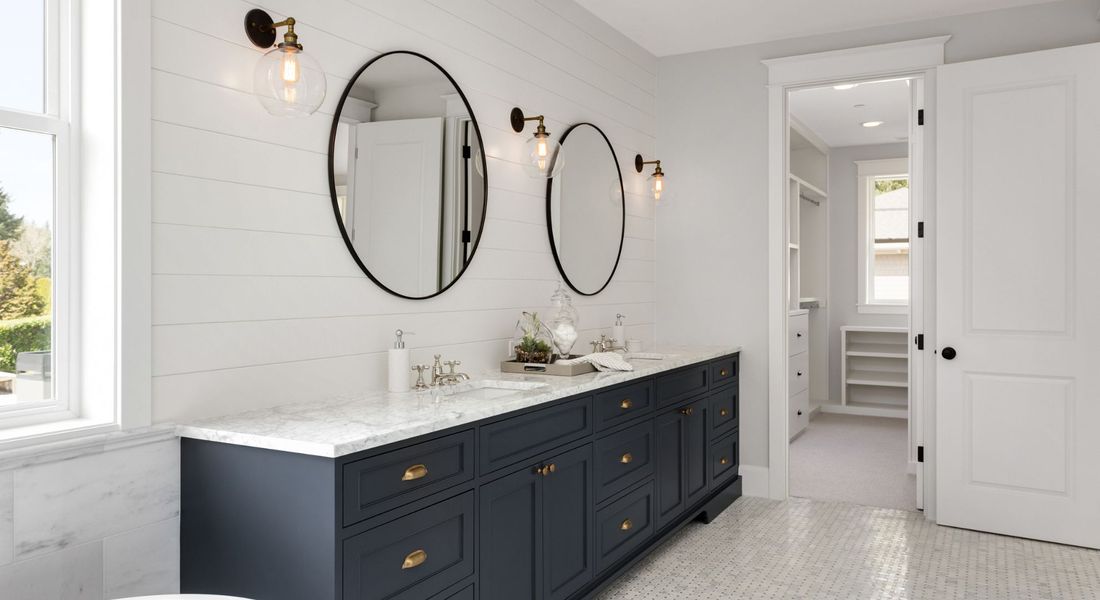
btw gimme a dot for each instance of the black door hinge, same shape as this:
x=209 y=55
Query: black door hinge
x=466 y=236
x=919 y=341
x=920 y=117
x=920 y=229
x=465 y=152
x=920 y=454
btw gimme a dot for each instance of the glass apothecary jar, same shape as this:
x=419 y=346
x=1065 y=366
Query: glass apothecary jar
x=563 y=322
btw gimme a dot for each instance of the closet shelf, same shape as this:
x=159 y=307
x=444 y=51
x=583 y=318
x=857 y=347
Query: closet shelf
x=810 y=190
x=878 y=378
x=878 y=350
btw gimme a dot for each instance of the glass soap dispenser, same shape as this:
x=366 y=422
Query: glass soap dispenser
x=563 y=322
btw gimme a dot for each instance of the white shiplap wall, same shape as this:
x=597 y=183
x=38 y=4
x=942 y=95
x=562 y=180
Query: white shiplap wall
x=255 y=299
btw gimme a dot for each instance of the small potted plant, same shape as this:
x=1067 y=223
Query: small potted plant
x=534 y=346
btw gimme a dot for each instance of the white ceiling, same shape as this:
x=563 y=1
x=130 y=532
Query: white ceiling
x=837 y=117
x=679 y=26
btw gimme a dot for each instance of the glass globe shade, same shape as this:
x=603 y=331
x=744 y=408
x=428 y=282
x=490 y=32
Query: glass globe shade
x=545 y=157
x=289 y=83
x=659 y=187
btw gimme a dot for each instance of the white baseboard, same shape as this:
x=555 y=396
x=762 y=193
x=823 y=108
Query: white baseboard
x=866 y=411
x=755 y=481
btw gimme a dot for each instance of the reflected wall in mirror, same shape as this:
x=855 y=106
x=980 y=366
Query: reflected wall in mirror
x=407 y=175
x=586 y=210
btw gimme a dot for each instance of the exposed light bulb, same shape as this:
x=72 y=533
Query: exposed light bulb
x=290 y=70
x=658 y=187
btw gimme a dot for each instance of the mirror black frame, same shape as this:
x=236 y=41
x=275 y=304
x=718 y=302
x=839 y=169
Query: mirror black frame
x=550 y=221
x=332 y=173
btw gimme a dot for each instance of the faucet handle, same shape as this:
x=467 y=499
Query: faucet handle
x=420 y=385
x=452 y=364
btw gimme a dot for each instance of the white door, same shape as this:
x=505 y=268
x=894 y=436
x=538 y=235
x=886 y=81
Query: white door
x=1018 y=408
x=397 y=196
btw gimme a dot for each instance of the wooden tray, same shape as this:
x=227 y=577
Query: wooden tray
x=512 y=366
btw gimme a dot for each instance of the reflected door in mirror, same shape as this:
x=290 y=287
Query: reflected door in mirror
x=407 y=175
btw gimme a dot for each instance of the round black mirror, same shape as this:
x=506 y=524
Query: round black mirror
x=586 y=210
x=407 y=175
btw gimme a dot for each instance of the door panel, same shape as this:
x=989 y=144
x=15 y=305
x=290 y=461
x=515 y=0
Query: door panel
x=568 y=500
x=1017 y=218
x=511 y=537
x=695 y=469
x=670 y=433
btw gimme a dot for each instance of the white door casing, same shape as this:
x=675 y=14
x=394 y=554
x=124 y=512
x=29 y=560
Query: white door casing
x=396 y=202
x=1017 y=409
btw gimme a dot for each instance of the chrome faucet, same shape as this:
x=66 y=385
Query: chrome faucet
x=449 y=378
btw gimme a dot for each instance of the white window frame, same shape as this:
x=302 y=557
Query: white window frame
x=102 y=220
x=867 y=172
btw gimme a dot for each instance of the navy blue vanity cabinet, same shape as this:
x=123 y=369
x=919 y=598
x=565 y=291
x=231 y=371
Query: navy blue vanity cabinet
x=551 y=502
x=536 y=529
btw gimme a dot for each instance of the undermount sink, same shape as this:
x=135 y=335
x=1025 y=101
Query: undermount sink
x=648 y=356
x=488 y=389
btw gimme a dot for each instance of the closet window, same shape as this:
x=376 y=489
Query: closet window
x=884 y=226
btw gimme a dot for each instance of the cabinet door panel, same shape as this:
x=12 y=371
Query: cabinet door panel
x=511 y=537
x=670 y=432
x=567 y=523
x=695 y=453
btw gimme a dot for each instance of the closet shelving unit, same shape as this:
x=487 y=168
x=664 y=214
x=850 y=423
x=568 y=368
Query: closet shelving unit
x=807 y=249
x=875 y=367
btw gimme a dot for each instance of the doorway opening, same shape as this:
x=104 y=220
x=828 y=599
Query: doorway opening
x=851 y=221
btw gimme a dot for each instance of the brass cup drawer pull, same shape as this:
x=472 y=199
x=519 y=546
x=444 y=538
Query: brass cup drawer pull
x=722 y=373
x=415 y=472
x=627 y=458
x=414 y=559
x=723 y=412
x=626 y=525
x=626 y=404
x=723 y=461
x=687 y=411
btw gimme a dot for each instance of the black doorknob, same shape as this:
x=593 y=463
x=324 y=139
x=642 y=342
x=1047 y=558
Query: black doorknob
x=948 y=353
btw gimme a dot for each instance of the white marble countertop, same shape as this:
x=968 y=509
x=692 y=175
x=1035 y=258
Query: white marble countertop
x=341 y=426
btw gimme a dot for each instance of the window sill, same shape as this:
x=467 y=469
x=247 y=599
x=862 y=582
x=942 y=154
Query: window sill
x=882 y=309
x=58 y=440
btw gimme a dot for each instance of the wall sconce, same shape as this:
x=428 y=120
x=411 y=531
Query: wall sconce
x=288 y=82
x=544 y=155
x=658 y=181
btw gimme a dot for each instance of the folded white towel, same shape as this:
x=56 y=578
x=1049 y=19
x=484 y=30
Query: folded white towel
x=603 y=361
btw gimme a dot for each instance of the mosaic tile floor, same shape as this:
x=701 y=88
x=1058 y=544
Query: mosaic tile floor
x=812 y=550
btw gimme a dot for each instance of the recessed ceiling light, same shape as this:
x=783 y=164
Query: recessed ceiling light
x=845 y=86
x=872 y=123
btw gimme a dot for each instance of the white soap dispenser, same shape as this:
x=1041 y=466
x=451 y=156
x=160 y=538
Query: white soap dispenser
x=400 y=369
x=619 y=331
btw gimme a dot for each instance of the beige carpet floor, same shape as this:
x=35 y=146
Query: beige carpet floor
x=847 y=458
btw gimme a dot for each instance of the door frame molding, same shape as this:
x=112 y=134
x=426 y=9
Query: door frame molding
x=911 y=58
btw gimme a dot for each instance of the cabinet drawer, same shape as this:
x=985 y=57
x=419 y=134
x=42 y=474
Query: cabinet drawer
x=623 y=404
x=466 y=593
x=682 y=384
x=800 y=413
x=723 y=411
x=380 y=483
x=798 y=332
x=623 y=459
x=512 y=440
x=414 y=556
x=799 y=376
x=725 y=456
x=723 y=371
x=624 y=525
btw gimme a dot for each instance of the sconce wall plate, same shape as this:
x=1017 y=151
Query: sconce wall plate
x=258 y=25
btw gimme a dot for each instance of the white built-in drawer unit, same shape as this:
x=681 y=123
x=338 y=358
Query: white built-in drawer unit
x=798 y=376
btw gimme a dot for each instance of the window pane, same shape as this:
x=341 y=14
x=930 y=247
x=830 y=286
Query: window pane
x=26 y=250
x=891 y=240
x=23 y=46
